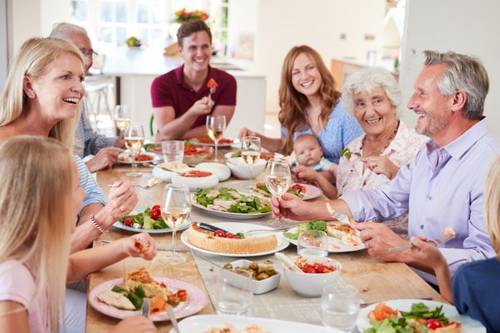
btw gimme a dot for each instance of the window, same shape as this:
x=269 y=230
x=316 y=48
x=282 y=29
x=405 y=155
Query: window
x=111 y=22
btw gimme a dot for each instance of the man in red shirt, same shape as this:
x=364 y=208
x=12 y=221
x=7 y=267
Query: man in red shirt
x=181 y=98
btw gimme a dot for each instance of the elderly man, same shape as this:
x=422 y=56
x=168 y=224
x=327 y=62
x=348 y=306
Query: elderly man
x=87 y=141
x=442 y=190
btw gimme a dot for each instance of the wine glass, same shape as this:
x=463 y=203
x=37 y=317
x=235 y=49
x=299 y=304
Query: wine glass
x=134 y=140
x=278 y=177
x=250 y=149
x=122 y=119
x=215 y=130
x=175 y=211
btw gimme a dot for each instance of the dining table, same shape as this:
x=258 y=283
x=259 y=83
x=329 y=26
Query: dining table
x=375 y=280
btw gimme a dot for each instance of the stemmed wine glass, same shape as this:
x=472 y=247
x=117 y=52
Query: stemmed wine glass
x=278 y=177
x=122 y=119
x=134 y=140
x=215 y=130
x=250 y=149
x=175 y=211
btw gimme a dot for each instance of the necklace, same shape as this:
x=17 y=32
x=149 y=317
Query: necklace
x=380 y=151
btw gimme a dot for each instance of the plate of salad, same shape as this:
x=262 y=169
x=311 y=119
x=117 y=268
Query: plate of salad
x=341 y=237
x=230 y=203
x=149 y=220
x=414 y=315
x=303 y=191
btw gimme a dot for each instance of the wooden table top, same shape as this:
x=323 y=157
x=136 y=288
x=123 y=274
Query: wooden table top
x=376 y=281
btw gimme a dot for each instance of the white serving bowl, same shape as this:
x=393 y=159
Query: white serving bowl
x=194 y=183
x=245 y=171
x=311 y=284
x=219 y=169
x=258 y=287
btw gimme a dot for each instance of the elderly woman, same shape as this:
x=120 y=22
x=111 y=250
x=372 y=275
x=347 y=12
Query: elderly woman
x=310 y=104
x=372 y=95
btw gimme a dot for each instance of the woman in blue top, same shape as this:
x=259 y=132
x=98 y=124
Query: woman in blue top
x=475 y=286
x=310 y=104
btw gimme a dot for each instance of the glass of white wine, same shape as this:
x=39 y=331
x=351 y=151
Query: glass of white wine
x=278 y=177
x=122 y=119
x=134 y=140
x=215 y=130
x=175 y=211
x=250 y=149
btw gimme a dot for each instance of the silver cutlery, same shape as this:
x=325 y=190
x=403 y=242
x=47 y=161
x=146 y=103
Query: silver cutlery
x=145 y=307
x=173 y=320
x=337 y=215
x=447 y=235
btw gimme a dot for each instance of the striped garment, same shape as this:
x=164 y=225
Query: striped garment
x=88 y=184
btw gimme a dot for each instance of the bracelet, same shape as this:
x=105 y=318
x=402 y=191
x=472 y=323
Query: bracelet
x=95 y=224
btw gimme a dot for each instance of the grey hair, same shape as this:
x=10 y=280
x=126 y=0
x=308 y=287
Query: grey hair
x=464 y=73
x=64 y=29
x=367 y=79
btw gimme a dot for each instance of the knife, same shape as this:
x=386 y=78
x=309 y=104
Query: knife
x=210 y=227
x=145 y=308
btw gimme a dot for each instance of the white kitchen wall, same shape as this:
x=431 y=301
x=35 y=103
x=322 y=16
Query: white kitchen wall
x=283 y=24
x=464 y=26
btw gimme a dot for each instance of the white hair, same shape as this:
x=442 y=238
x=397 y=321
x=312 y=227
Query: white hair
x=64 y=29
x=367 y=79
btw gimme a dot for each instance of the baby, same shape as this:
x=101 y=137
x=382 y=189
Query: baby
x=308 y=153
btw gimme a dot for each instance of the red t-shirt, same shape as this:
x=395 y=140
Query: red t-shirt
x=170 y=90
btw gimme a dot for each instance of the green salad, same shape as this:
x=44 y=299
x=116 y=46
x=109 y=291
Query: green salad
x=318 y=225
x=230 y=200
x=150 y=218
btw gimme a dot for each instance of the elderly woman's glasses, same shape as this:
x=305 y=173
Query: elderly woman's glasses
x=88 y=52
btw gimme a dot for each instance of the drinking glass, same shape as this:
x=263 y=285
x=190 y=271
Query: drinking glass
x=231 y=299
x=250 y=149
x=134 y=140
x=122 y=119
x=175 y=211
x=278 y=177
x=339 y=306
x=215 y=130
x=172 y=151
x=312 y=242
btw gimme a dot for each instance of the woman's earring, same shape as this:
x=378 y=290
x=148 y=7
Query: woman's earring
x=30 y=94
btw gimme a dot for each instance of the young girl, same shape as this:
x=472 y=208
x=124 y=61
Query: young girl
x=475 y=286
x=39 y=200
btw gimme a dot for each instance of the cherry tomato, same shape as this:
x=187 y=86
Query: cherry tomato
x=155 y=214
x=433 y=323
x=182 y=294
x=128 y=222
x=156 y=207
x=219 y=233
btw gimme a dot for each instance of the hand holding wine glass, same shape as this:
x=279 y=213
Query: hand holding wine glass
x=250 y=149
x=175 y=211
x=215 y=130
x=134 y=140
x=278 y=177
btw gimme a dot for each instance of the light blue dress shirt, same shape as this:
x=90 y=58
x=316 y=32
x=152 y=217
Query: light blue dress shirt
x=442 y=188
x=338 y=132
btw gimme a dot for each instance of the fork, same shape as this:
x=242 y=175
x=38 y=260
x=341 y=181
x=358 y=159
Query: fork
x=448 y=234
x=145 y=308
x=173 y=320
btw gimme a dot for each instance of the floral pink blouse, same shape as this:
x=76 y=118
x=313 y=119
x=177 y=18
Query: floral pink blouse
x=352 y=173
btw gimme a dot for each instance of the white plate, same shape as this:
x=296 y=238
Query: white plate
x=155 y=159
x=469 y=325
x=234 y=228
x=203 y=323
x=122 y=226
x=228 y=215
x=335 y=245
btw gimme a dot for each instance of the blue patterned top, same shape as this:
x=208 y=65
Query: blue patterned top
x=338 y=132
x=88 y=184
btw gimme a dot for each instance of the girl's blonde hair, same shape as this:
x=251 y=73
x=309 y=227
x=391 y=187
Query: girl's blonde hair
x=31 y=62
x=293 y=104
x=492 y=204
x=35 y=210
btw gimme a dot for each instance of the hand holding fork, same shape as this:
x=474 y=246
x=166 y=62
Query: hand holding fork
x=447 y=235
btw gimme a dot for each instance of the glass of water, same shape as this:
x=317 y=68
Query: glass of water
x=231 y=298
x=172 y=151
x=312 y=242
x=340 y=306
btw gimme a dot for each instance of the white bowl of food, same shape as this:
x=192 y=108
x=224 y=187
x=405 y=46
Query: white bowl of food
x=242 y=170
x=264 y=276
x=316 y=272
x=195 y=179
x=219 y=169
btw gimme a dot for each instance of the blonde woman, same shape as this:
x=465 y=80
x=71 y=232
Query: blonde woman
x=41 y=97
x=40 y=197
x=474 y=288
